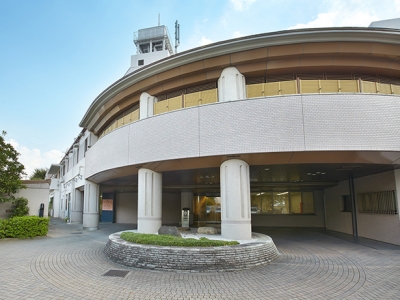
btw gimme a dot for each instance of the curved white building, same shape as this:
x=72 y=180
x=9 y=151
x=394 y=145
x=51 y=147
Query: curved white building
x=295 y=128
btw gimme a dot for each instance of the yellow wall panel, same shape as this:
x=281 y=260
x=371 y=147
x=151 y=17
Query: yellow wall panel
x=120 y=122
x=209 y=96
x=368 y=87
x=309 y=86
x=348 y=86
x=384 y=88
x=288 y=87
x=174 y=103
x=396 y=89
x=135 y=115
x=192 y=99
x=113 y=126
x=271 y=88
x=127 y=119
x=160 y=107
x=329 y=86
x=255 y=90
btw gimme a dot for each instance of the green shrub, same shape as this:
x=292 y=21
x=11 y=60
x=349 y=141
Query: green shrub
x=169 y=240
x=24 y=227
x=3 y=224
x=20 y=208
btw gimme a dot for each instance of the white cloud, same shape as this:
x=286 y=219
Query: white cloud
x=204 y=41
x=241 y=4
x=237 y=34
x=223 y=21
x=351 y=13
x=34 y=158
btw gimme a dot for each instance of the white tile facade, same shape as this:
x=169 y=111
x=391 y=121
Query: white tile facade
x=274 y=124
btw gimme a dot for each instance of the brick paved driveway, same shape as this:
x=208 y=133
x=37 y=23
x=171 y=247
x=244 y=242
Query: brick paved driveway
x=69 y=264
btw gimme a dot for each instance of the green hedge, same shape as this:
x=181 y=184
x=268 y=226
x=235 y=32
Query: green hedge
x=169 y=240
x=24 y=227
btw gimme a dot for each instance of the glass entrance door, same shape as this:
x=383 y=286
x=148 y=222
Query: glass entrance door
x=207 y=210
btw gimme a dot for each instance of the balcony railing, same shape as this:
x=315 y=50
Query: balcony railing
x=186 y=100
x=263 y=90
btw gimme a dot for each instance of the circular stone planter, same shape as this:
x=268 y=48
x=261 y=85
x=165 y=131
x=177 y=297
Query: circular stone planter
x=192 y=259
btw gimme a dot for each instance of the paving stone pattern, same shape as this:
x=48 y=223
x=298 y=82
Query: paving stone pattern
x=312 y=265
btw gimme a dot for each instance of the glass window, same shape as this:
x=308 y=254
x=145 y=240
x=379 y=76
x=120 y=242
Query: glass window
x=255 y=203
x=267 y=203
x=296 y=205
x=281 y=203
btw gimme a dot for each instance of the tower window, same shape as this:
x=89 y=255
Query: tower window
x=140 y=62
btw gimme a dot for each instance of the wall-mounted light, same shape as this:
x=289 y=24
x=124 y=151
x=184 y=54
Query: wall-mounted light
x=79 y=176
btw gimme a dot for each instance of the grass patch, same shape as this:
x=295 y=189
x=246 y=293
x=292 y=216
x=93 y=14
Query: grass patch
x=169 y=240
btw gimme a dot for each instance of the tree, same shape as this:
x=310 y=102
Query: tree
x=20 y=208
x=11 y=171
x=38 y=174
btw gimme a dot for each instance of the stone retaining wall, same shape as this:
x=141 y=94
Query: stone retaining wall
x=191 y=259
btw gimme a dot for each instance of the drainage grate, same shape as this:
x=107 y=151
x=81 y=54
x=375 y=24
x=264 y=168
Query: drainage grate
x=116 y=273
x=78 y=232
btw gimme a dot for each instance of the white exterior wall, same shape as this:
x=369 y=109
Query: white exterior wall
x=36 y=193
x=385 y=228
x=126 y=208
x=72 y=182
x=335 y=219
x=55 y=194
x=381 y=227
x=311 y=123
x=5 y=210
x=127 y=205
x=148 y=59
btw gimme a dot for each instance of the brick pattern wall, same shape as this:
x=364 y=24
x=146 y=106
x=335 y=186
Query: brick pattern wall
x=208 y=259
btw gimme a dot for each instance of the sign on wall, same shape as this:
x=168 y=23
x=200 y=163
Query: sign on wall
x=107 y=204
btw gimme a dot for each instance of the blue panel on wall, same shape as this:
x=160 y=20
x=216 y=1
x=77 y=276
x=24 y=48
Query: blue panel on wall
x=107 y=216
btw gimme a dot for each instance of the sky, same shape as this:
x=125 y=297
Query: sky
x=56 y=56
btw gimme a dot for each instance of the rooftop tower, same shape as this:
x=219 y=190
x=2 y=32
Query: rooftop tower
x=152 y=44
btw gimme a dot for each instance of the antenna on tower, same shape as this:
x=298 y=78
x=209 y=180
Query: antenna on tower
x=159 y=19
x=177 y=36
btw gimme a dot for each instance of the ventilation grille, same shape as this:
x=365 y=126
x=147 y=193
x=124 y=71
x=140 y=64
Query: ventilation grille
x=116 y=273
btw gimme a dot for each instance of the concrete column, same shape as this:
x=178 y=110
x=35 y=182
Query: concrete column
x=61 y=206
x=149 y=201
x=187 y=201
x=71 y=199
x=397 y=182
x=235 y=200
x=146 y=106
x=76 y=207
x=353 y=205
x=91 y=206
x=56 y=203
x=231 y=85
